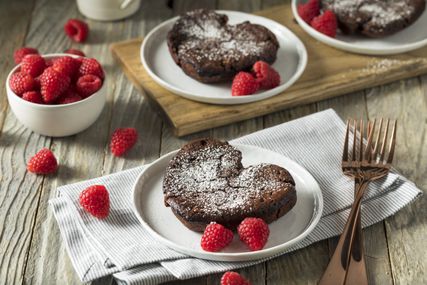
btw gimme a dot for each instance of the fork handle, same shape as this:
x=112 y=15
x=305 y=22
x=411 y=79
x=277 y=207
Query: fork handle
x=336 y=271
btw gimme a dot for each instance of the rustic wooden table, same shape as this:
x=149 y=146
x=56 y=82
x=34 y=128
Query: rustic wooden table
x=31 y=250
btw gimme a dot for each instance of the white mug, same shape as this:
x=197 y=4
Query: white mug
x=108 y=10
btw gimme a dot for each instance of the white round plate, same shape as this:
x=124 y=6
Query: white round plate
x=159 y=220
x=411 y=38
x=290 y=63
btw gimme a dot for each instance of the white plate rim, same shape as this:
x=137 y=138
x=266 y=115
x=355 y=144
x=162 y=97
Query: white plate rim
x=356 y=48
x=302 y=64
x=241 y=256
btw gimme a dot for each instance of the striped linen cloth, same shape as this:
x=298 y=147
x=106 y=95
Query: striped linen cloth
x=119 y=245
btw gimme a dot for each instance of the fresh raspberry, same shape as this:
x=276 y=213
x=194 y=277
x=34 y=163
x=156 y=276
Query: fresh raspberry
x=19 y=54
x=253 y=232
x=70 y=96
x=66 y=65
x=309 y=10
x=76 y=30
x=233 y=278
x=326 y=23
x=33 y=96
x=91 y=66
x=216 y=237
x=96 y=201
x=266 y=76
x=21 y=82
x=44 y=162
x=244 y=84
x=53 y=84
x=33 y=64
x=88 y=84
x=122 y=140
x=74 y=51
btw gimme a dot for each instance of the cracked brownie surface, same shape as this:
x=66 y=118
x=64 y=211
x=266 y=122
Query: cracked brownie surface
x=210 y=50
x=206 y=182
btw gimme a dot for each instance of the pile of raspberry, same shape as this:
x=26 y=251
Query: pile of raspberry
x=62 y=80
x=325 y=23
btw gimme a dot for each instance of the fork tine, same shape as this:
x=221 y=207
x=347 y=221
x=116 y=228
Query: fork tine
x=368 y=150
x=382 y=151
x=345 y=151
x=361 y=141
x=377 y=141
x=392 y=143
x=353 y=157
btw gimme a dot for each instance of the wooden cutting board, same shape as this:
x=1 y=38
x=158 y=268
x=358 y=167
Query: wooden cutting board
x=330 y=72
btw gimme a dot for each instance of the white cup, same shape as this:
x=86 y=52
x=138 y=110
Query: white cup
x=108 y=10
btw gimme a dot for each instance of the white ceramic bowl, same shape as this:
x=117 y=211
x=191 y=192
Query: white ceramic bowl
x=108 y=10
x=57 y=120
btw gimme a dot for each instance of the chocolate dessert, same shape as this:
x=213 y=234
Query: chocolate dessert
x=374 y=18
x=206 y=182
x=210 y=50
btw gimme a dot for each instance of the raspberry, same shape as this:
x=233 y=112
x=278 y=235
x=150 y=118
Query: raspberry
x=19 y=54
x=21 y=82
x=74 y=51
x=44 y=162
x=266 y=76
x=253 y=232
x=33 y=64
x=244 y=84
x=53 y=84
x=33 y=96
x=326 y=23
x=309 y=10
x=70 y=96
x=233 y=278
x=122 y=140
x=66 y=65
x=88 y=84
x=96 y=201
x=216 y=237
x=76 y=30
x=91 y=66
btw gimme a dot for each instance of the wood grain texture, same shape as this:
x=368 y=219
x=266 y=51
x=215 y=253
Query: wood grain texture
x=329 y=73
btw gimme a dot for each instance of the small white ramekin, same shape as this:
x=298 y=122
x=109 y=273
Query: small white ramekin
x=57 y=120
x=108 y=10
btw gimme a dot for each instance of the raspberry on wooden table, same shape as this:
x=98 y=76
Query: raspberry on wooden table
x=233 y=278
x=244 y=84
x=254 y=233
x=21 y=82
x=66 y=65
x=122 y=140
x=74 y=51
x=88 y=84
x=96 y=201
x=76 y=30
x=53 y=84
x=44 y=162
x=216 y=237
x=326 y=23
x=33 y=96
x=19 y=54
x=266 y=76
x=33 y=64
x=91 y=66
x=309 y=10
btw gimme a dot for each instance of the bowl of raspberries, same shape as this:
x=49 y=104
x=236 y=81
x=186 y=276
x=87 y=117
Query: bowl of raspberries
x=56 y=95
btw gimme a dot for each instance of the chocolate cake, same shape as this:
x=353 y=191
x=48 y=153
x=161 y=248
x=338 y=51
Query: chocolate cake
x=374 y=18
x=210 y=50
x=206 y=182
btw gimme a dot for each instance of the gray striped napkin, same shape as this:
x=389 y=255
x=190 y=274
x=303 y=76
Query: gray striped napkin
x=119 y=245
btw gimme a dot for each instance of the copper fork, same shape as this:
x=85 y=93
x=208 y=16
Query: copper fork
x=364 y=163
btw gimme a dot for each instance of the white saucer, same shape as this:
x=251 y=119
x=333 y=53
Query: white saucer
x=291 y=62
x=284 y=233
x=411 y=38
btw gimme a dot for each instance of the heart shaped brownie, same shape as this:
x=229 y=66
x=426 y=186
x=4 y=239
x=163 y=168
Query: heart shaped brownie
x=210 y=50
x=206 y=182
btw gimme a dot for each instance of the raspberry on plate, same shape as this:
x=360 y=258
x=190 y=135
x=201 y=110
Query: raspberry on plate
x=33 y=64
x=254 y=233
x=21 y=82
x=244 y=84
x=33 y=96
x=122 y=140
x=19 y=54
x=266 y=76
x=70 y=96
x=53 y=84
x=309 y=10
x=326 y=23
x=91 y=66
x=96 y=201
x=216 y=237
x=76 y=30
x=233 y=278
x=88 y=84
x=74 y=51
x=66 y=65
x=44 y=162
